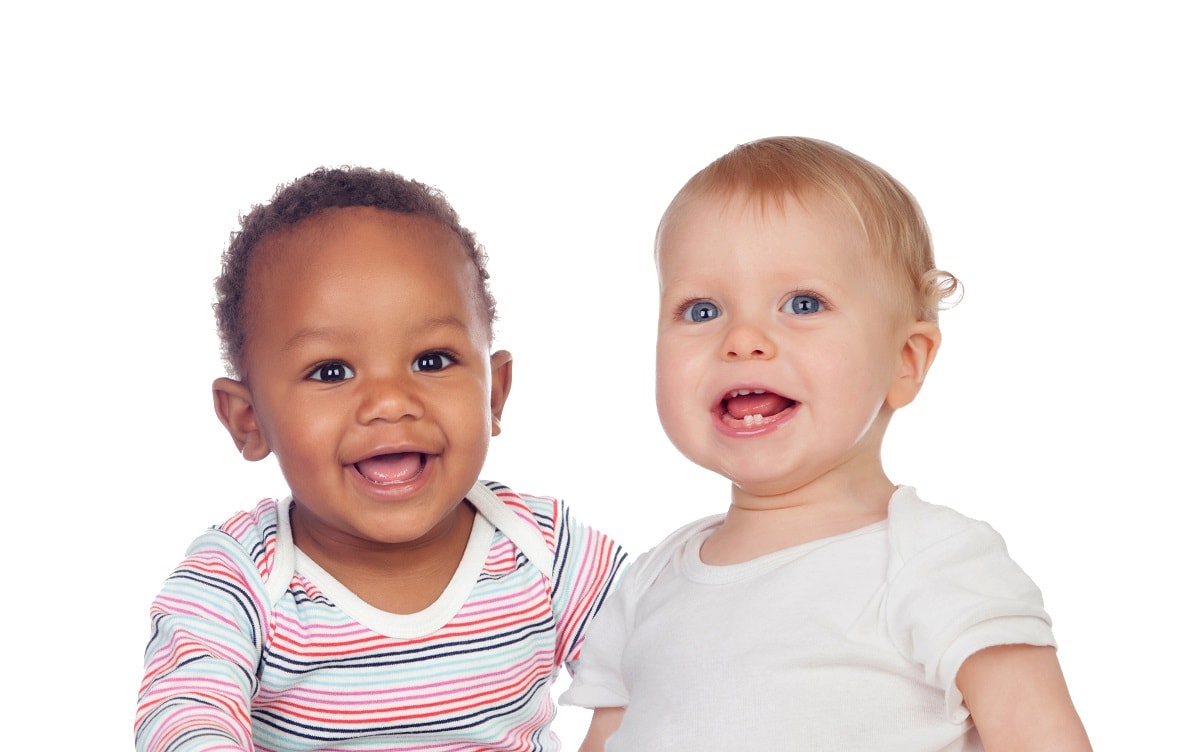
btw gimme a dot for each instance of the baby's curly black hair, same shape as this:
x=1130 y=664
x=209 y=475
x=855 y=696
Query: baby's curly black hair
x=327 y=188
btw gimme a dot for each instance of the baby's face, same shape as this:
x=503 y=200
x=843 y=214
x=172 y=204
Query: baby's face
x=778 y=342
x=368 y=366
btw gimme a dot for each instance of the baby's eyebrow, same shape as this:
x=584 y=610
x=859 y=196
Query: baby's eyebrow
x=450 y=320
x=307 y=334
x=334 y=333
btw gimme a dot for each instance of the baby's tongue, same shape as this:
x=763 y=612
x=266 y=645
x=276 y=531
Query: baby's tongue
x=766 y=404
x=391 y=468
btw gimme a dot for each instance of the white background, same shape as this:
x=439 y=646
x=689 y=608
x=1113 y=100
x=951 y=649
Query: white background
x=1052 y=145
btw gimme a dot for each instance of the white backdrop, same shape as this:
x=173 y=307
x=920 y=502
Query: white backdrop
x=1050 y=143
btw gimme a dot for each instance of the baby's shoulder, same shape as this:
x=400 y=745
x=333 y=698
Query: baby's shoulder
x=916 y=526
x=646 y=568
x=260 y=521
x=254 y=527
x=541 y=513
x=261 y=535
x=531 y=523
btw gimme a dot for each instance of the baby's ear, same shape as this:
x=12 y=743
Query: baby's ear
x=916 y=356
x=502 y=361
x=235 y=410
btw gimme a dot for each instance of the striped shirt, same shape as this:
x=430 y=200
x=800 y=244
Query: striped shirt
x=254 y=646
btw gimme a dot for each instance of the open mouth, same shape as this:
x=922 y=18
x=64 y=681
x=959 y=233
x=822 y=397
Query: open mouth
x=753 y=407
x=391 y=469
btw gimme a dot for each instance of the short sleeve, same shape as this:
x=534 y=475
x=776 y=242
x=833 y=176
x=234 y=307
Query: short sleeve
x=953 y=591
x=597 y=681
x=587 y=566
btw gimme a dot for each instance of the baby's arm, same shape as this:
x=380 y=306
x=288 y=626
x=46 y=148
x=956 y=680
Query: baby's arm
x=605 y=722
x=587 y=567
x=201 y=661
x=963 y=609
x=1018 y=699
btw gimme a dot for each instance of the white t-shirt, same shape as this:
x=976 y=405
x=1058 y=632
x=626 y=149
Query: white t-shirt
x=849 y=642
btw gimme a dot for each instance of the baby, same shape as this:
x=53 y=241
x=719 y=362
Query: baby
x=828 y=609
x=393 y=600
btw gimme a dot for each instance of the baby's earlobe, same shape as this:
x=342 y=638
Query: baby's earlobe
x=916 y=356
x=235 y=409
x=502 y=364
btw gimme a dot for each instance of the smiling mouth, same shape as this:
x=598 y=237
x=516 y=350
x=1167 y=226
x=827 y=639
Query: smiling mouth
x=392 y=469
x=753 y=407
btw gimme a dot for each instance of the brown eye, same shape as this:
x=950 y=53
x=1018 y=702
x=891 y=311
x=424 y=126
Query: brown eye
x=332 y=371
x=432 y=361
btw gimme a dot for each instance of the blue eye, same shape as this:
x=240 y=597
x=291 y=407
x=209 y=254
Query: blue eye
x=803 y=305
x=704 y=310
x=432 y=361
x=333 y=371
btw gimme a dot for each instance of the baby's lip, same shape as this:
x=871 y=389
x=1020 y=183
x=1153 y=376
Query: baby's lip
x=392 y=468
x=752 y=406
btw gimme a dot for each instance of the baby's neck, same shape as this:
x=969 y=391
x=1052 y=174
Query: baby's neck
x=397 y=579
x=754 y=528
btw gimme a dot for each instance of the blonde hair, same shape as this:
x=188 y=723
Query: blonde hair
x=792 y=167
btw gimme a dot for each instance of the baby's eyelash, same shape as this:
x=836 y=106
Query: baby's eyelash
x=683 y=307
x=330 y=371
x=821 y=300
x=434 y=360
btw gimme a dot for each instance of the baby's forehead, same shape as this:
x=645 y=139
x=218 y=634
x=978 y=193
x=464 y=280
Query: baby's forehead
x=727 y=208
x=302 y=241
x=358 y=247
x=837 y=216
